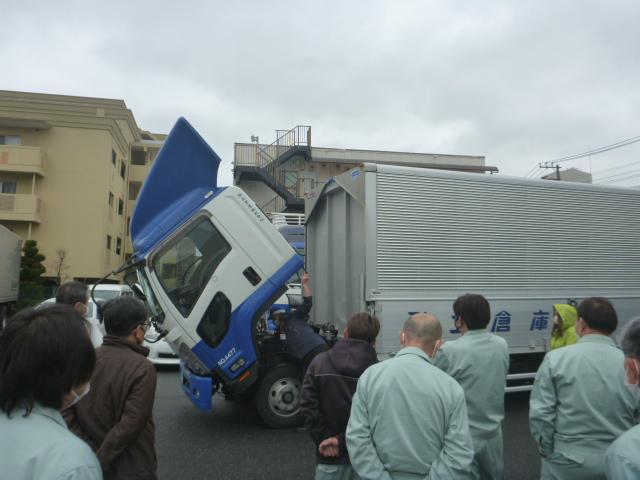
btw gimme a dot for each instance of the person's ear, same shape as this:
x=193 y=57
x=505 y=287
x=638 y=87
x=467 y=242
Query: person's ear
x=633 y=368
x=401 y=335
x=346 y=333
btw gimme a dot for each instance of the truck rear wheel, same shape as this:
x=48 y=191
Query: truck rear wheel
x=278 y=397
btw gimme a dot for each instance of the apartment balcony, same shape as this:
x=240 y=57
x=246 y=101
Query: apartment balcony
x=22 y=160
x=20 y=208
x=139 y=173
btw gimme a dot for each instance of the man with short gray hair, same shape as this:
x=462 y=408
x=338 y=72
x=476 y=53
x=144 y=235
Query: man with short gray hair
x=408 y=418
x=622 y=460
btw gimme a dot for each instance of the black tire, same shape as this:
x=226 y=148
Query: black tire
x=278 y=397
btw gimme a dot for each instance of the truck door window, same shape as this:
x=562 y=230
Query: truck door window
x=185 y=266
x=215 y=324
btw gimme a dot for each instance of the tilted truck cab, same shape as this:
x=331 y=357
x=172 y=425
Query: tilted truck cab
x=210 y=264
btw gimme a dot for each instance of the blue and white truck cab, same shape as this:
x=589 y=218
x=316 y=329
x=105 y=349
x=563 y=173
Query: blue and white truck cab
x=209 y=265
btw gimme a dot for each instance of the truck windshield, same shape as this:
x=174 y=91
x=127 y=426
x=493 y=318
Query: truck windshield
x=139 y=277
x=185 y=265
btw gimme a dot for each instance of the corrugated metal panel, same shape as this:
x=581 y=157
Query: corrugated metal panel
x=335 y=257
x=438 y=233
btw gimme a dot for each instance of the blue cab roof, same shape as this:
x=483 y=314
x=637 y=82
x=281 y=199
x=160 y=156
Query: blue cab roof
x=183 y=178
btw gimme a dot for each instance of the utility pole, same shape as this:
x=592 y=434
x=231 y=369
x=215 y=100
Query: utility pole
x=552 y=165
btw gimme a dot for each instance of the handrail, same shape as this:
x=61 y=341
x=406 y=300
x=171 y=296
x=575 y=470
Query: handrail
x=268 y=158
x=277 y=204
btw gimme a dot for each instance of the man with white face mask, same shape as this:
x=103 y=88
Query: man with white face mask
x=115 y=417
x=622 y=460
x=409 y=418
x=579 y=404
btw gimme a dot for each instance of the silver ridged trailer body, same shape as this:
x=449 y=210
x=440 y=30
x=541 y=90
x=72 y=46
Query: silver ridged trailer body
x=399 y=240
x=10 y=256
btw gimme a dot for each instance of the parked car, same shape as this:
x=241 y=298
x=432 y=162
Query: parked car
x=160 y=353
x=108 y=291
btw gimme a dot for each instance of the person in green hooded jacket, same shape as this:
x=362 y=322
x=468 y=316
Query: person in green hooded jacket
x=564 y=326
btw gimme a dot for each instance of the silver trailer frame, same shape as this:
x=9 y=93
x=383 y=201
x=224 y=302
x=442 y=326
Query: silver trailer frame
x=398 y=240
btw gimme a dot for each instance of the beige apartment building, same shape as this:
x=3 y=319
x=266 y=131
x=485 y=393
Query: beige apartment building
x=71 y=169
x=277 y=176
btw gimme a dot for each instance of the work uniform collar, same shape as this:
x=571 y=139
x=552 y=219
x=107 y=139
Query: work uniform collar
x=476 y=332
x=414 y=351
x=39 y=409
x=594 y=337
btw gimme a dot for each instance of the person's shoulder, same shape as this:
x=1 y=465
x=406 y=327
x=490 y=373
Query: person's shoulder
x=319 y=362
x=627 y=445
x=64 y=452
x=496 y=338
x=446 y=382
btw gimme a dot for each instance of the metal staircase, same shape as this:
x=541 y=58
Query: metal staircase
x=264 y=163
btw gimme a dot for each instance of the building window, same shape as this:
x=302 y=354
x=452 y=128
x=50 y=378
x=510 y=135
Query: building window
x=108 y=242
x=118 y=245
x=127 y=233
x=123 y=169
x=120 y=206
x=113 y=157
x=8 y=187
x=111 y=198
x=10 y=140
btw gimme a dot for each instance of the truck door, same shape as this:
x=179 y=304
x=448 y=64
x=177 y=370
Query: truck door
x=206 y=282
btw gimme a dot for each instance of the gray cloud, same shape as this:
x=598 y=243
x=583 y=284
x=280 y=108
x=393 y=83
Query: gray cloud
x=518 y=82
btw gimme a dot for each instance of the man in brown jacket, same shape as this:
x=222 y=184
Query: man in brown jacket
x=115 y=417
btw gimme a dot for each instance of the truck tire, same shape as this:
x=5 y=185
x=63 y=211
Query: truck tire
x=278 y=397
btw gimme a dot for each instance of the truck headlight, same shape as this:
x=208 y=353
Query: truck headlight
x=192 y=361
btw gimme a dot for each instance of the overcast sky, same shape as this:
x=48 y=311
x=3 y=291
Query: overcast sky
x=519 y=82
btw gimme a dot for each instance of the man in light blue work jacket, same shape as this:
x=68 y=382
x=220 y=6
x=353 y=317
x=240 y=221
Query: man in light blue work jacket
x=408 y=418
x=622 y=459
x=579 y=404
x=479 y=362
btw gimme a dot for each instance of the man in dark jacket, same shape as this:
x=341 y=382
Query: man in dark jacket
x=296 y=333
x=115 y=417
x=328 y=388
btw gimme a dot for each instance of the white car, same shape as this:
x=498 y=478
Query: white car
x=108 y=291
x=160 y=353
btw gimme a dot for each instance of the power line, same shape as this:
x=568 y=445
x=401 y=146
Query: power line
x=613 y=146
x=618 y=175
x=619 y=179
x=527 y=175
x=615 y=168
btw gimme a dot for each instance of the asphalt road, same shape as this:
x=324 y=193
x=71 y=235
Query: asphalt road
x=232 y=442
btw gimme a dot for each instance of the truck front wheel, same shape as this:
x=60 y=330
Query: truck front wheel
x=278 y=397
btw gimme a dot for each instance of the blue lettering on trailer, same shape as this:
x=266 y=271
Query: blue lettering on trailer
x=502 y=322
x=540 y=320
